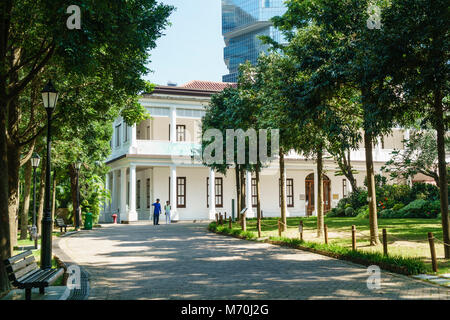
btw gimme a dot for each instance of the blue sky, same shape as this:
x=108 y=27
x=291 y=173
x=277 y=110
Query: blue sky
x=192 y=48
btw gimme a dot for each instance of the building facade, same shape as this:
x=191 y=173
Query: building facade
x=242 y=22
x=155 y=160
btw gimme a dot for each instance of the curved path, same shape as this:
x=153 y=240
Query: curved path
x=185 y=261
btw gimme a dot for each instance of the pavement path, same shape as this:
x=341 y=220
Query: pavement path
x=185 y=261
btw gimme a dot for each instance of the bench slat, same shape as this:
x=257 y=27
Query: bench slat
x=23 y=263
x=18 y=257
x=27 y=276
x=31 y=277
x=25 y=270
x=58 y=273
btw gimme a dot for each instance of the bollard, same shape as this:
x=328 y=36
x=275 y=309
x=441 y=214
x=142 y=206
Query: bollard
x=220 y=219
x=325 y=229
x=279 y=228
x=385 y=244
x=225 y=216
x=433 y=251
x=244 y=221
x=217 y=218
x=354 y=237
x=229 y=223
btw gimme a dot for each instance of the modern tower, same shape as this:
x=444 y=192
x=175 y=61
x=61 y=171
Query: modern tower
x=242 y=22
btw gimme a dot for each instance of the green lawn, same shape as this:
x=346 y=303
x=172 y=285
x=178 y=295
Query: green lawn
x=406 y=237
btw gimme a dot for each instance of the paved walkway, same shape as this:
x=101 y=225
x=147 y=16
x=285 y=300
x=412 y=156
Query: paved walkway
x=185 y=261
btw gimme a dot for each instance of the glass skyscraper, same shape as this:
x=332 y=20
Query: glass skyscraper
x=242 y=22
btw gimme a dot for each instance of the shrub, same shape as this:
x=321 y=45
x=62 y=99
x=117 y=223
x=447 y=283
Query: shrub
x=340 y=212
x=420 y=209
x=424 y=191
x=332 y=213
x=398 y=206
x=349 y=212
x=387 y=214
x=363 y=213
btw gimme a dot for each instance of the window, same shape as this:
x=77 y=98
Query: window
x=118 y=135
x=148 y=193
x=138 y=133
x=344 y=187
x=289 y=193
x=181 y=133
x=218 y=191
x=138 y=194
x=181 y=192
x=254 y=194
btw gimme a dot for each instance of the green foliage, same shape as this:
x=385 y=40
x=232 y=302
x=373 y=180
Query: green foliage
x=408 y=265
x=363 y=212
x=214 y=227
x=398 y=206
x=349 y=212
x=420 y=209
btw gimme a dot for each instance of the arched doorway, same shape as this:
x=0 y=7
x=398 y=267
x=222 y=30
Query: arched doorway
x=309 y=190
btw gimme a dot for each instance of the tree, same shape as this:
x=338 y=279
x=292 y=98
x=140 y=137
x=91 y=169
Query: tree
x=113 y=44
x=419 y=155
x=416 y=39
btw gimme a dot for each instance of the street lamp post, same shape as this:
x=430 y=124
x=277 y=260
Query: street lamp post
x=77 y=218
x=35 y=159
x=50 y=97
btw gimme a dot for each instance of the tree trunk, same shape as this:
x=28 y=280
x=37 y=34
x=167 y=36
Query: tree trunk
x=283 y=191
x=242 y=194
x=443 y=186
x=26 y=202
x=13 y=192
x=319 y=204
x=41 y=197
x=258 y=201
x=5 y=236
x=73 y=191
x=238 y=191
x=373 y=220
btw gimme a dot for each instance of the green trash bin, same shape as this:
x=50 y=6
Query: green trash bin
x=88 y=221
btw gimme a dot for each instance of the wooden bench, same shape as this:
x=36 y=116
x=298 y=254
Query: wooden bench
x=24 y=273
x=61 y=224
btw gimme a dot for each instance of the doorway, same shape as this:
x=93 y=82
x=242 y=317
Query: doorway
x=309 y=190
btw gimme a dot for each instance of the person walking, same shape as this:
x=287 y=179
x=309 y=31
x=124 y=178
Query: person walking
x=167 y=212
x=156 y=212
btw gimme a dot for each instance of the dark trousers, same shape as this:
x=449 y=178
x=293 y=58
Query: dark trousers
x=156 y=219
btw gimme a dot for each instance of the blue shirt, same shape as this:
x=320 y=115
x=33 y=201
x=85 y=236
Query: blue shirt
x=157 y=206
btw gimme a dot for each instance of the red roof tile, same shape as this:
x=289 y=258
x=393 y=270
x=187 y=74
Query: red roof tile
x=208 y=85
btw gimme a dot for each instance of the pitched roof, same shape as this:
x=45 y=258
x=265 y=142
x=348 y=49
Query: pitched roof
x=208 y=85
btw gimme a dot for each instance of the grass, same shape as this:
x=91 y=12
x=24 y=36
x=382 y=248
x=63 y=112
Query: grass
x=407 y=239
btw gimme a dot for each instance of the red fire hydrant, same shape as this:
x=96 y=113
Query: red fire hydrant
x=114 y=216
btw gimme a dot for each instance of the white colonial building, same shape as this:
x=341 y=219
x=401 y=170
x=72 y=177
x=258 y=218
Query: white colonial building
x=154 y=160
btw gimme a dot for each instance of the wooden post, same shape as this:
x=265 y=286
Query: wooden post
x=279 y=228
x=353 y=237
x=225 y=216
x=220 y=219
x=301 y=233
x=325 y=229
x=259 y=227
x=229 y=223
x=244 y=221
x=217 y=218
x=385 y=244
x=433 y=251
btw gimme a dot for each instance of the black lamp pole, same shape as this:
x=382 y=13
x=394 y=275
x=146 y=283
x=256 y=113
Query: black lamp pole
x=50 y=96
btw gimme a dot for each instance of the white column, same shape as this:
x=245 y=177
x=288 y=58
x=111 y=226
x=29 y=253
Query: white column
x=123 y=194
x=107 y=207
x=316 y=191
x=133 y=139
x=212 y=194
x=173 y=124
x=115 y=184
x=248 y=194
x=132 y=214
x=173 y=193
